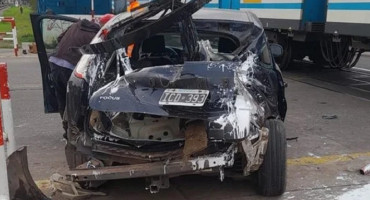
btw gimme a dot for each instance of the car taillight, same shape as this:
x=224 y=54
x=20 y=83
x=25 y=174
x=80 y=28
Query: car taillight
x=82 y=65
x=105 y=33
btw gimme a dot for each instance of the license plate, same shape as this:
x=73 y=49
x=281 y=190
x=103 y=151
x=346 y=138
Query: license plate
x=184 y=97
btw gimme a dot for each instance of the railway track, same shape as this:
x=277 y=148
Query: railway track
x=355 y=81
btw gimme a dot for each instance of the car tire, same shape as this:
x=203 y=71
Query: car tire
x=284 y=61
x=271 y=176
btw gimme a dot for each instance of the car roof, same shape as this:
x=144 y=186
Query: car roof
x=223 y=15
x=227 y=15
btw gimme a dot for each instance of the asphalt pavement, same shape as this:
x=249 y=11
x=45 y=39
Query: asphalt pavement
x=324 y=155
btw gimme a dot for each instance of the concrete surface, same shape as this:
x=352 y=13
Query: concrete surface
x=323 y=162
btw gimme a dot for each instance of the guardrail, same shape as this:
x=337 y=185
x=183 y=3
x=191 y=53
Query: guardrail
x=10 y=20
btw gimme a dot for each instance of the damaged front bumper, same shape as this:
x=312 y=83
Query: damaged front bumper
x=168 y=168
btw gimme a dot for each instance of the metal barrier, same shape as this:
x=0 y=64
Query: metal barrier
x=6 y=106
x=7 y=140
x=4 y=187
x=13 y=33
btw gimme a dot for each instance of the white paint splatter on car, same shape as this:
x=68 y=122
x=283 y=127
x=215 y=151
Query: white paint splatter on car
x=241 y=111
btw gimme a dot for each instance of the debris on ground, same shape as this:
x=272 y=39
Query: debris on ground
x=330 y=117
x=292 y=138
x=70 y=190
x=365 y=170
x=32 y=48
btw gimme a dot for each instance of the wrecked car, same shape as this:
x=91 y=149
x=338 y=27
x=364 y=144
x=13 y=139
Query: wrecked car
x=200 y=93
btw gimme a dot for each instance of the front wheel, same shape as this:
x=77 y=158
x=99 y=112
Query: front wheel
x=271 y=176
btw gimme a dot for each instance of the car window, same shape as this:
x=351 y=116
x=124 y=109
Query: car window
x=219 y=44
x=173 y=40
x=51 y=29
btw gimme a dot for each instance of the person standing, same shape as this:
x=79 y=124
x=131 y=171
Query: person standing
x=63 y=62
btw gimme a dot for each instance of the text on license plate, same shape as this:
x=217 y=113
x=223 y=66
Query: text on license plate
x=184 y=97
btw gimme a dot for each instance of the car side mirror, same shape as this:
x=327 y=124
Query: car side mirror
x=276 y=50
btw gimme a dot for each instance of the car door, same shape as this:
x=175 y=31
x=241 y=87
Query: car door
x=46 y=29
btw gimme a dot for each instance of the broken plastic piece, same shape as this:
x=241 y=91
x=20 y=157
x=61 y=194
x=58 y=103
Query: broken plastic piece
x=70 y=189
x=21 y=184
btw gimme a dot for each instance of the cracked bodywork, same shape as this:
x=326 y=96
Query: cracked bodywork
x=134 y=116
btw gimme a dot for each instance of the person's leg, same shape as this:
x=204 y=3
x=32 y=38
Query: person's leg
x=64 y=78
x=60 y=76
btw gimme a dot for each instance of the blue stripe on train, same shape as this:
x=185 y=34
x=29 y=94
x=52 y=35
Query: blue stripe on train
x=349 y=6
x=332 y=6
x=211 y=5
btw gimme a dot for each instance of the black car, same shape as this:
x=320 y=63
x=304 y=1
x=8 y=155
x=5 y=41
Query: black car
x=200 y=93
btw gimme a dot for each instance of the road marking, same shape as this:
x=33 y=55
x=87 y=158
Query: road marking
x=309 y=160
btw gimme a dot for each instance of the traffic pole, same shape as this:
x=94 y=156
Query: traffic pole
x=15 y=37
x=92 y=11
x=6 y=106
x=4 y=187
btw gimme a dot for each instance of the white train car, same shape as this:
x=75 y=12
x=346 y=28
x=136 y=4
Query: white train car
x=276 y=13
x=331 y=32
x=348 y=17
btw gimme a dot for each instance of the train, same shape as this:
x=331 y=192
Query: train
x=330 y=33
x=80 y=7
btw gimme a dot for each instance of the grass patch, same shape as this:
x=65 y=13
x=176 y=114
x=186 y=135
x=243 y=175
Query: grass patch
x=6 y=44
x=22 y=21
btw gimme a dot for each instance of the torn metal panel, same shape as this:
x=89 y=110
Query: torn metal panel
x=68 y=189
x=255 y=152
x=134 y=156
x=21 y=184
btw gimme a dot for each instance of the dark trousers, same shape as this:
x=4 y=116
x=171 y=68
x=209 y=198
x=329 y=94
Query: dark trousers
x=60 y=76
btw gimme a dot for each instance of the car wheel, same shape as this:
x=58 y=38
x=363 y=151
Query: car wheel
x=285 y=60
x=271 y=176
